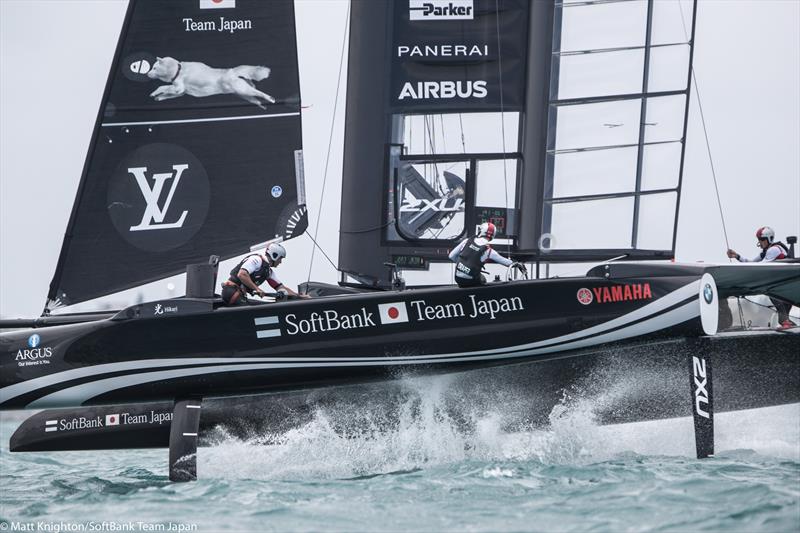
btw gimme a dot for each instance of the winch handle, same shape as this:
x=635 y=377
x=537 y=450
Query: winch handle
x=518 y=267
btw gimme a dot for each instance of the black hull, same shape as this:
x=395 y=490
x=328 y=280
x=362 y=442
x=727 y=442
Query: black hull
x=626 y=384
x=182 y=348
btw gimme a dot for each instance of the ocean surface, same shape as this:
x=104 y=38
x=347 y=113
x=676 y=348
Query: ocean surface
x=426 y=472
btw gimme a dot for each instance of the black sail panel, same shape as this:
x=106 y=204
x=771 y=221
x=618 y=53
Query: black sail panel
x=194 y=149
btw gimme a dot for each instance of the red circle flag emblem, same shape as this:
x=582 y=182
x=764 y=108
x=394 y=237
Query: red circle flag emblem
x=392 y=313
x=585 y=296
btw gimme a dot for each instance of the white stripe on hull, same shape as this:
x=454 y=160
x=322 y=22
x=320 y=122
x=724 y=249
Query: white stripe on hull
x=81 y=393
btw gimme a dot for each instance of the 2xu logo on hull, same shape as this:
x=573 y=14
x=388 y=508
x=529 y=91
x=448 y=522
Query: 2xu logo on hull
x=700 y=384
x=440 y=10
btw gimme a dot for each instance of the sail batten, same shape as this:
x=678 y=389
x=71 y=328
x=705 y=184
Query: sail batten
x=193 y=153
x=197 y=120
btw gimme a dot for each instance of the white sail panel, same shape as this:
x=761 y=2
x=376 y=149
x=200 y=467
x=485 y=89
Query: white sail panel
x=656 y=219
x=661 y=166
x=594 y=125
x=592 y=224
x=608 y=25
x=594 y=172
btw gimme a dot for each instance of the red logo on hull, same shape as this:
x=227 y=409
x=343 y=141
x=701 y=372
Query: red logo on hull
x=585 y=296
x=622 y=293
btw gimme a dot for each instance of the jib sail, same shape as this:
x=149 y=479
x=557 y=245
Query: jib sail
x=195 y=147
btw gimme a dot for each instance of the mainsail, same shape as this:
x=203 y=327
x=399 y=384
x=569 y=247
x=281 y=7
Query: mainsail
x=563 y=122
x=194 y=149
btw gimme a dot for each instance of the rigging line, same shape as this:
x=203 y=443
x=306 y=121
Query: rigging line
x=430 y=127
x=705 y=133
x=444 y=137
x=502 y=118
x=367 y=230
x=330 y=144
x=316 y=245
x=463 y=141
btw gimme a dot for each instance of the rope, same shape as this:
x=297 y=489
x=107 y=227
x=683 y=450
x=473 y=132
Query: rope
x=705 y=133
x=328 y=156
x=770 y=307
x=502 y=117
x=316 y=244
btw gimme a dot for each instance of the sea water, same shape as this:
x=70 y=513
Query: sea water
x=432 y=468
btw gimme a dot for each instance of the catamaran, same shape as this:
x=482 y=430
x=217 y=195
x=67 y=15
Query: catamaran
x=583 y=163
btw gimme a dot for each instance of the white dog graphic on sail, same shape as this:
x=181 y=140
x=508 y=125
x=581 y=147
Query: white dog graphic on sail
x=198 y=79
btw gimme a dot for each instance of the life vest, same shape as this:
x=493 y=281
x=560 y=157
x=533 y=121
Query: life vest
x=469 y=260
x=258 y=277
x=784 y=250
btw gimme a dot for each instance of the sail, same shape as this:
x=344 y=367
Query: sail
x=416 y=133
x=195 y=146
x=563 y=122
x=617 y=116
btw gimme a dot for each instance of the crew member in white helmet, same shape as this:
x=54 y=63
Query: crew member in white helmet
x=472 y=253
x=770 y=251
x=251 y=272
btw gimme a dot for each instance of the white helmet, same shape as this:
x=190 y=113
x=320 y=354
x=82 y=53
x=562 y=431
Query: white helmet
x=275 y=251
x=766 y=233
x=487 y=229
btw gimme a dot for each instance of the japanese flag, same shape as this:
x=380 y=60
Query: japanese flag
x=217 y=4
x=112 y=420
x=393 y=312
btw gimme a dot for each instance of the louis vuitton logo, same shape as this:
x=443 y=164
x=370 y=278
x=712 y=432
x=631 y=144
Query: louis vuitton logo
x=153 y=217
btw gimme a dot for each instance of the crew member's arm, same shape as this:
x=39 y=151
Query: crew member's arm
x=276 y=284
x=733 y=255
x=248 y=282
x=492 y=256
x=457 y=251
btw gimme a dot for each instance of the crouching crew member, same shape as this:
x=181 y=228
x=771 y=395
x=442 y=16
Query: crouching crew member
x=251 y=272
x=770 y=251
x=472 y=253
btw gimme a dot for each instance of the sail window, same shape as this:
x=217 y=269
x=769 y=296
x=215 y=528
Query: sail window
x=600 y=73
x=664 y=120
x=495 y=195
x=669 y=66
x=656 y=218
x=593 y=172
x=672 y=22
x=459 y=133
x=661 y=166
x=588 y=26
x=430 y=199
x=597 y=125
x=592 y=224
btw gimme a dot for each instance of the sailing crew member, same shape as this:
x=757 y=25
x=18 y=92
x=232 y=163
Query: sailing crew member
x=472 y=253
x=770 y=251
x=251 y=272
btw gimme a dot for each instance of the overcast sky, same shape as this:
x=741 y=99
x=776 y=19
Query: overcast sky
x=54 y=61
